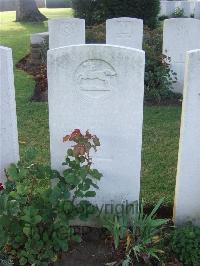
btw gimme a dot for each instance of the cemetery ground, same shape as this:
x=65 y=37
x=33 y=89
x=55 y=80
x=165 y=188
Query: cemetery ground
x=161 y=123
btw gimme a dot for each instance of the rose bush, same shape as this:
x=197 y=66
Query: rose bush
x=35 y=220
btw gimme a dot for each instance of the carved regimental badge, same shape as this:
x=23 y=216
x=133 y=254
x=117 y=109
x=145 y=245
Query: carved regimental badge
x=95 y=78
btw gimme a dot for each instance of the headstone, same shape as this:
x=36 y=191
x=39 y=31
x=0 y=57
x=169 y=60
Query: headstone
x=39 y=38
x=64 y=32
x=100 y=88
x=125 y=32
x=9 y=149
x=197 y=10
x=187 y=207
x=180 y=35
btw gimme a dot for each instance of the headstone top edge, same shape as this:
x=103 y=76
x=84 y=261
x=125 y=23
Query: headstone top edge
x=68 y=19
x=4 y=48
x=85 y=46
x=180 y=20
x=192 y=52
x=125 y=19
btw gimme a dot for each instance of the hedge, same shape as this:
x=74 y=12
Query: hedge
x=97 y=11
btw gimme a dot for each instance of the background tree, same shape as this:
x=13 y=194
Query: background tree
x=27 y=10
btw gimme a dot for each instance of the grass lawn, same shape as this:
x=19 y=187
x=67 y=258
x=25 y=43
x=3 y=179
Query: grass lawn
x=161 y=124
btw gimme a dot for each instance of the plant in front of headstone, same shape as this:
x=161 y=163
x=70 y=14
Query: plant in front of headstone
x=96 y=33
x=178 y=13
x=137 y=236
x=35 y=218
x=159 y=78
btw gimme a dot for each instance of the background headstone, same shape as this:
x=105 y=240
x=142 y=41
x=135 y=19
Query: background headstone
x=179 y=36
x=197 y=10
x=100 y=88
x=187 y=200
x=64 y=32
x=9 y=148
x=125 y=32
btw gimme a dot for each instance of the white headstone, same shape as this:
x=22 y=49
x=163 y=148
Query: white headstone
x=39 y=38
x=9 y=149
x=64 y=32
x=197 y=10
x=100 y=88
x=125 y=32
x=187 y=200
x=180 y=35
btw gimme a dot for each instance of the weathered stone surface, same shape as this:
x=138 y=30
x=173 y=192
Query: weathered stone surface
x=9 y=148
x=100 y=88
x=64 y=32
x=39 y=38
x=179 y=36
x=125 y=32
x=187 y=200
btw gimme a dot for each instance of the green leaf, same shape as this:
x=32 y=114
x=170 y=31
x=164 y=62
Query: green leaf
x=37 y=219
x=96 y=174
x=27 y=230
x=70 y=152
x=23 y=261
x=76 y=238
x=90 y=194
x=71 y=179
x=79 y=193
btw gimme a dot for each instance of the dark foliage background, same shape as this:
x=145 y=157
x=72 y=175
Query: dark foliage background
x=97 y=11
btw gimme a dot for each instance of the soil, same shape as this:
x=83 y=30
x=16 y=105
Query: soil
x=39 y=74
x=96 y=248
x=90 y=252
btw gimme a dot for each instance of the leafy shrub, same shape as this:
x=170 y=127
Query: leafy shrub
x=178 y=13
x=35 y=219
x=185 y=243
x=97 y=11
x=91 y=10
x=159 y=78
x=96 y=34
x=139 y=234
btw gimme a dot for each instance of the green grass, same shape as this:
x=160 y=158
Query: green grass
x=161 y=124
x=32 y=117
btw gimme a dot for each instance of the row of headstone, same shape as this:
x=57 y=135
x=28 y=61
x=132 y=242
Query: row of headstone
x=190 y=8
x=9 y=147
x=179 y=36
x=101 y=88
x=119 y=31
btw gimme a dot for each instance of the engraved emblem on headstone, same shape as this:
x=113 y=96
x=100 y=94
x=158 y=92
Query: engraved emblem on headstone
x=95 y=78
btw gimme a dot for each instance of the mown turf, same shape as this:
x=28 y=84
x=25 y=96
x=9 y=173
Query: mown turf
x=32 y=117
x=161 y=124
